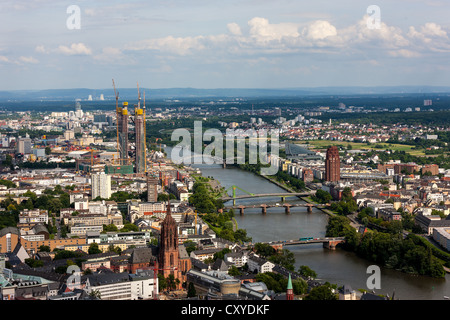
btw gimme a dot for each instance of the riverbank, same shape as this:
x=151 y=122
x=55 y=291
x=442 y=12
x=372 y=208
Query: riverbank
x=340 y=266
x=306 y=199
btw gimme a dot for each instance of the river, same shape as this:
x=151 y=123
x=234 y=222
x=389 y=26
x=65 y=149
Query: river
x=337 y=267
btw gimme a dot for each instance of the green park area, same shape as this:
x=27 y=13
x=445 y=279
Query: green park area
x=323 y=144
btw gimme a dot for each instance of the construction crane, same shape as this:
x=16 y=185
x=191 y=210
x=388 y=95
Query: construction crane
x=116 y=94
x=156 y=141
x=196 y=213
x=145 y=136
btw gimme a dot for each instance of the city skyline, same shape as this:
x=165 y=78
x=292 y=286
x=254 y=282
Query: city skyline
x=222 y=45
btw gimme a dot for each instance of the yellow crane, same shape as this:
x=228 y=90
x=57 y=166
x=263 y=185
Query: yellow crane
x=196 y=215
x=156 y=141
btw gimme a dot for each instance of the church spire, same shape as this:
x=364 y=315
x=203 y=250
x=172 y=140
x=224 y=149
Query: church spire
x=290 y=290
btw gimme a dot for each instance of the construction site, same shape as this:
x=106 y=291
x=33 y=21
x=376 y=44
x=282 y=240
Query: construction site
x=131 y=159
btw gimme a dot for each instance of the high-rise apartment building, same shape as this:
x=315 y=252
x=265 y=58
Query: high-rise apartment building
x=152 y=189
x=101 y=185
x=332 y=165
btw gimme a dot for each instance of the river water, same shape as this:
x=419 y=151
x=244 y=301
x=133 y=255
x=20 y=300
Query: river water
x=337 y=267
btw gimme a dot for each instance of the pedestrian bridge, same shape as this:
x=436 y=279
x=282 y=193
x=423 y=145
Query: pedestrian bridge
x=328 y=242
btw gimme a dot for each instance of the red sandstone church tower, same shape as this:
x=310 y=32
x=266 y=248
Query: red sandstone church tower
x=168 y=248
x=290 y=290
x=332 y=165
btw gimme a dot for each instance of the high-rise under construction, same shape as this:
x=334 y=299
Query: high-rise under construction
x=139 y=134
x=139 y=123
x=122 y=133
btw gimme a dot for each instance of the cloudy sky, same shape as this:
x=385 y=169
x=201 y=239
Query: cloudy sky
x=44 y=44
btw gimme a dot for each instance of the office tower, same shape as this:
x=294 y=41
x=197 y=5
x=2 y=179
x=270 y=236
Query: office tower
x=101 y=185
x=139 y=123
x=122 y=133
x=152 y=189
x=78 y=112
x=24 y=145
x=332 y=165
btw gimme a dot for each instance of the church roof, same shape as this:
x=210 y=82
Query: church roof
x=289 y=285
x=141 y=255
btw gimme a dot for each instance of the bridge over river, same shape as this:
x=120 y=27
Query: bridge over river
x=248 y=195
x=328 y=242
x=287 y=207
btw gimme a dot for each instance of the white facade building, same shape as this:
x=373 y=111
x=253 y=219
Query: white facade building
x=101 y=185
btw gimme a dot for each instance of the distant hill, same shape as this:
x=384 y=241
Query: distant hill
x=174 y=93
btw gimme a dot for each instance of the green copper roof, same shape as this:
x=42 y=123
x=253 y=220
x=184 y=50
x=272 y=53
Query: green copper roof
x=289 y=285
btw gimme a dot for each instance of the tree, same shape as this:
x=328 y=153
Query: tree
x=234 y=271
x=227 y=234
x=285 y=258
x=395 y=227
x=93 y=248
x=34 y=263
x=191 y=290
x=347 y=194
x=323 y=292
x=8 y=160
x=221 y=254
x=190 y=246
x=54 y=205
x=112 y=248
x=44 y=248
x=129 y=227
x=172 y=283
x=109 y=228
x=162 y=282
x=264 y=249
x=322 y=196
x=307 y=272
x=241 y=236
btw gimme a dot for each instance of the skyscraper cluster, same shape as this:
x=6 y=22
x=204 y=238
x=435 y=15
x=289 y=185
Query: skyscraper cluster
x=139 y=135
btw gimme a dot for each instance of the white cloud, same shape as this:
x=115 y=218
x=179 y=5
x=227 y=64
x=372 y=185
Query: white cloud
x=28 y=60
x=170 y=44
x=74 y=49
x=116 y=55
x=319 y=36
x=234 y=29
x=433 y=30
x=262 y=30
x=404 y=53
x=41 y=49
x=319 y=30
